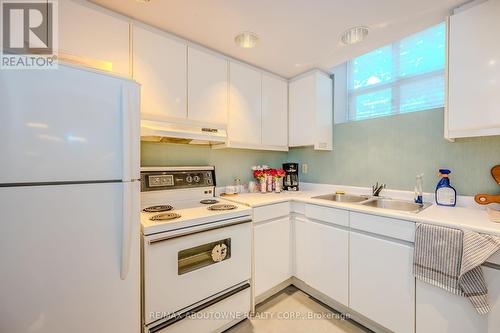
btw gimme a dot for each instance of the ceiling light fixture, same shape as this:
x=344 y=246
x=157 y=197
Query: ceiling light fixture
x=246 y=39
x=143 y=1
x=354 y=35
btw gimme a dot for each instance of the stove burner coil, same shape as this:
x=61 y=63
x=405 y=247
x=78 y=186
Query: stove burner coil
x=209 y=201
x=222 y=207
x=157 y=209
x=165 y=217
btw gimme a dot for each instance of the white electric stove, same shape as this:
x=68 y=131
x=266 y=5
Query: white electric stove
x=196 y=252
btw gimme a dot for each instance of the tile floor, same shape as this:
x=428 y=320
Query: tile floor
x=290 y=311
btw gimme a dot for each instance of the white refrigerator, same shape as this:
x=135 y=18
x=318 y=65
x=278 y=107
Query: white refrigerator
x=69 y=202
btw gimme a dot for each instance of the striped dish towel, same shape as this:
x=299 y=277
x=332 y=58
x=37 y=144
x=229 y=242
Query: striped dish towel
x=451 y=259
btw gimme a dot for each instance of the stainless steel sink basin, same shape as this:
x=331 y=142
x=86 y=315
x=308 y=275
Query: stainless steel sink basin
x=401 y=205
x=343 y=197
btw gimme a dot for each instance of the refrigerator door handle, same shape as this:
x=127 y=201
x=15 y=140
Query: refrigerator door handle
x=126 y=135
x=127 y=220
x=130 y=105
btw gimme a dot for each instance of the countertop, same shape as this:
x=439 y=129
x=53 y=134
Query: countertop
x=454 y=217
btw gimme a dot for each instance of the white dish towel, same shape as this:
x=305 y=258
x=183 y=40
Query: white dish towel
x=451 y=259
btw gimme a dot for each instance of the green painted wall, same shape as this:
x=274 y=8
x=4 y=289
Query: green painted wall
x=393 y=150
x=229 y=163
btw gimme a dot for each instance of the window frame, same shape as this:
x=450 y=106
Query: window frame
x=394 y=84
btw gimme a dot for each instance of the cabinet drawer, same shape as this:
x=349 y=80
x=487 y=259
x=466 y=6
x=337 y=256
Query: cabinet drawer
x=327 y=214
x=271 y=211
x=399 y=229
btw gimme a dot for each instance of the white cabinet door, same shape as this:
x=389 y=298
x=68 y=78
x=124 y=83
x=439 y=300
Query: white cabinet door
x=274 y=111
x=245 y=104
x=322 y=258
x=160 y=65
x=301 y=108
x=474 y=72
x=94 y=36
x=382 y=286
x=272 y=254
x=207 y=87
x=311 y=111
x=440 y=311
x=323 y=127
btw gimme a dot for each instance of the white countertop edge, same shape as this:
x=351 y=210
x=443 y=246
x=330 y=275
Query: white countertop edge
x=466 y=216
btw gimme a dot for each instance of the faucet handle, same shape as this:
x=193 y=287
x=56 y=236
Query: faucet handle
x=376 y=189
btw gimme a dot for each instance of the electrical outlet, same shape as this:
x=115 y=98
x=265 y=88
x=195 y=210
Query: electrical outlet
x=305 y=168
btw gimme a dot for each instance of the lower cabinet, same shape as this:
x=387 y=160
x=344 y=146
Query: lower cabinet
x=440 y=311
x=322 y=258
x=364 y=262
x=382 y=286
x=272 y=254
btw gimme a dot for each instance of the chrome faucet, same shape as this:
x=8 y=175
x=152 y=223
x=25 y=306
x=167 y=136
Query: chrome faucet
x=376 y=189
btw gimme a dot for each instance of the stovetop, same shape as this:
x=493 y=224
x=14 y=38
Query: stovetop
x=190 y=213
x=181 y=197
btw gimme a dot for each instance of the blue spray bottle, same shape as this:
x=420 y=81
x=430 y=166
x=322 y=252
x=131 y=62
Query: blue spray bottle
x=446 y=195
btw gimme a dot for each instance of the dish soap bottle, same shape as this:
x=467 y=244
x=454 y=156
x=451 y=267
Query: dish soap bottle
x=419 y=189
x=445 y=193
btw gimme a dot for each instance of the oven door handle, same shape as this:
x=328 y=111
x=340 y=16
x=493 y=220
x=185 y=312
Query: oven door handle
x=201 y=228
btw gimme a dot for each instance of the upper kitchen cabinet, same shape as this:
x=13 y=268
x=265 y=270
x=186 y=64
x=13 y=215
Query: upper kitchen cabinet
x=94 y=37
x=258 y=109
x=207 y=87
x=245 y=116
x=274 y=111
x=310 y=111
x=474 y=72
x=160 y=65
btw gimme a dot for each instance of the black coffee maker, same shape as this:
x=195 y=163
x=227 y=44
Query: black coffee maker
x=291 y=180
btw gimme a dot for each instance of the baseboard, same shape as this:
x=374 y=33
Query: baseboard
x=265 y=295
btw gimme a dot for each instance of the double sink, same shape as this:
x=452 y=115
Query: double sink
x=376 y=202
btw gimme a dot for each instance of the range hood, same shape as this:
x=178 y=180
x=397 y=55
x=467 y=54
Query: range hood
x=173 y=132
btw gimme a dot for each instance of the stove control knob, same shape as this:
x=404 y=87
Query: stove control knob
x=189 y=179
x=196 y=179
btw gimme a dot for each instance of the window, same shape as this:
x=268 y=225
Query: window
x=405 y=76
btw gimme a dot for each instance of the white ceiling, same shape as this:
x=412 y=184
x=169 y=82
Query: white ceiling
x=295 y=35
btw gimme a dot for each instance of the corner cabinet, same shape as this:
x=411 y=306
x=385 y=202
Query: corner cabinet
x=311 y=111
x=92 y=36
x=474 y=72
x=159 y=64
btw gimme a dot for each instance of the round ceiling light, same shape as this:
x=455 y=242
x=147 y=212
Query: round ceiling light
x=354 y=35
x=246 y=40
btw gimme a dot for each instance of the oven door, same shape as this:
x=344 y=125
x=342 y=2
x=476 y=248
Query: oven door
x=183 y=267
